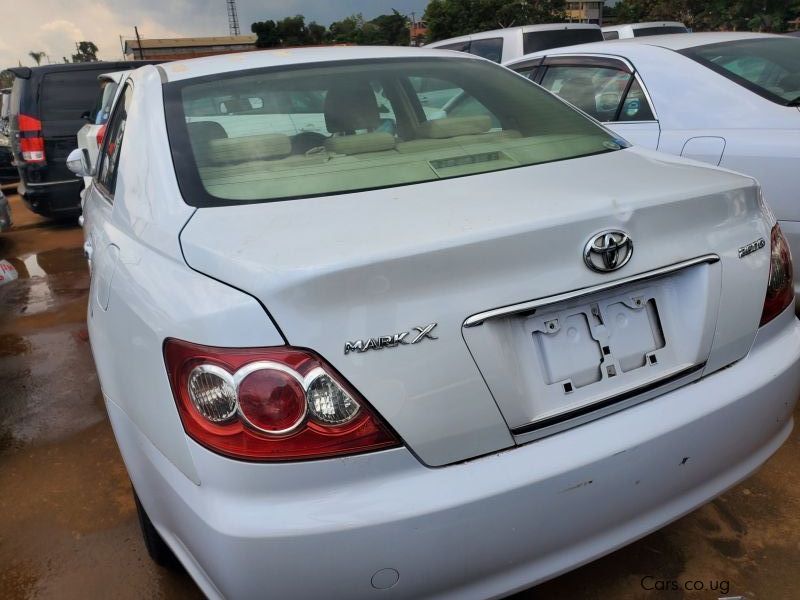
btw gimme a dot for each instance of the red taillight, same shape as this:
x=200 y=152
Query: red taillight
x=780 y=287
x=101 y=134
x=31 y=142
x=265 y=404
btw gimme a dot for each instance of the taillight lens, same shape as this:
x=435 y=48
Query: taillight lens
x=101 y=133
x=780 y=287
x=270 y=404
x=31 y=142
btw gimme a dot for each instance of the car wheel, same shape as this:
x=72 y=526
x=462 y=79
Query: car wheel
x=157 y=548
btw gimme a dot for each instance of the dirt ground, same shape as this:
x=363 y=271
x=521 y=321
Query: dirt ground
x=68 y=526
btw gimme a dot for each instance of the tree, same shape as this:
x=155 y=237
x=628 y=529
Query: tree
x=451 y=18
x=37 y=56
x=711 y=15
x=267 y=34
x=87 y=52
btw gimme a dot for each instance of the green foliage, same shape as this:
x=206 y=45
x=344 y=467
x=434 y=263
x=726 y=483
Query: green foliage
x=451 y=18
x=712 y=15
x=391 y=30
x=87 y=52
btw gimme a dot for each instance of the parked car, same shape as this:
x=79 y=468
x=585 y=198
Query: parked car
x=450 y=356
x=8 y=172
x=729 y=99
x=501 y=45
x=5 y=101
x=632 y=30
x=794 y=33
x=91 y=134
x=46 y=107
x=5 y=213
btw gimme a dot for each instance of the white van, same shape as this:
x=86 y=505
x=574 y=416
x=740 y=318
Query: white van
x=501 y=45
x=631 y=30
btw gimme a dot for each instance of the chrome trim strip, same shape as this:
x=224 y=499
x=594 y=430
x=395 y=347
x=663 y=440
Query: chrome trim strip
x=28 y=184
x=532 y=305
x=602 y=408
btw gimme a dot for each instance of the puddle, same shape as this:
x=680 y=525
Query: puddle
x=43 y=281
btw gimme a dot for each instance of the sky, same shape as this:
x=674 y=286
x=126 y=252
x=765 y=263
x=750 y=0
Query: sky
x=53 y=26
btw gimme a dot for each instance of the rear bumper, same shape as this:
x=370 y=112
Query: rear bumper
x=484 y=528
x=59 y=199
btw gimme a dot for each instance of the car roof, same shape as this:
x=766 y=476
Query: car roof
x=225 y=63
x=644 y=25
x=506 y=31
x=672 y=41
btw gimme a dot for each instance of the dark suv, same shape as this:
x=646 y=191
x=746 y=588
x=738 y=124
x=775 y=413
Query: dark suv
x=48 y=105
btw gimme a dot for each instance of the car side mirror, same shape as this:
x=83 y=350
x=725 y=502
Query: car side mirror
x=78 y=163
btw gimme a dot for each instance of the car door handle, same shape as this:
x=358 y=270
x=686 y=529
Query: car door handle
x=88 y=250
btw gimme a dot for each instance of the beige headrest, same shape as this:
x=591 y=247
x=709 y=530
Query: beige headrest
x=360 y=143
x=252 y=147
x=455 y=126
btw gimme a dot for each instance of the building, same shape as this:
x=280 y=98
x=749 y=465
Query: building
x=180 y=48
x=418 y=32
x=585 y=12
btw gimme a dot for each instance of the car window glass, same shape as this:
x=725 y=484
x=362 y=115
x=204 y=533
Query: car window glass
x=768 y=66
x=66 y=95
x=597 y=91
x=491 y=49
x=458 y=46
x=556 y=38
x=112 y=142
x=529 y=71
x=636 y=107
x=658 y=30
x=106 y=102
x=345 y=127
x=611 y=35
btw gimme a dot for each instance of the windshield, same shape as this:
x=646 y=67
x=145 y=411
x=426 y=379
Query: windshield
x=339 y=127
x=769 y=67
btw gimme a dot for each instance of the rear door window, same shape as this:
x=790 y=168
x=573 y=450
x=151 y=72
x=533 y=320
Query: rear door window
x=112 y=143
x=66 y=95
x=491 y=49
x=605 y=93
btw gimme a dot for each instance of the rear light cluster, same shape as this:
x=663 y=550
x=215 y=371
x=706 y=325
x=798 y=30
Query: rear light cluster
x=780 y=287
x=101 y=134
x=31 y=142
x=278 y=403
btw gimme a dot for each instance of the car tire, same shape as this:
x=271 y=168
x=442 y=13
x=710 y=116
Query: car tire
x=157 y=548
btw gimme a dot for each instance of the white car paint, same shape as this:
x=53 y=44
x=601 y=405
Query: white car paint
x=705 y=116
x=465 y=508
x=629 y=30
x=513 y=37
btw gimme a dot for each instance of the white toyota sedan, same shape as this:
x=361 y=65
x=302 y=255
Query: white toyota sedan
x=350 y=350
x=729 y=99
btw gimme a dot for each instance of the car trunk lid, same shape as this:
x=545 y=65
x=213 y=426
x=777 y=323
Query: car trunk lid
x=366 y=267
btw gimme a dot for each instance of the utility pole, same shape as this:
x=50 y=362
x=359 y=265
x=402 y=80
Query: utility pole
x=233 y=18
x=139 y=42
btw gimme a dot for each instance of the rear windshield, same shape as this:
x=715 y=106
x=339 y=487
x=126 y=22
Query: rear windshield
x=659 y=30
x=544 y=40
x=312 y=130
x=66 y=95
x=770 y=67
